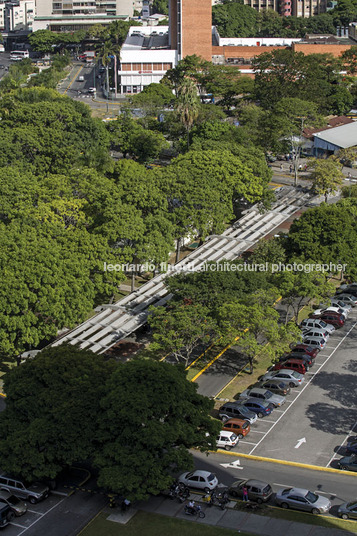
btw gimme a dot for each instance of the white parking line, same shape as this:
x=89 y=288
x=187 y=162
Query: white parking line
x=41 y=516
x=256 y=432
x=303 y=389
x=248 y=443
x=270 y=422
x=17 y=525
x=347 y=436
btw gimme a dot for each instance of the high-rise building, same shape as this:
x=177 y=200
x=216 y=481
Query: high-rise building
x=191 y=27
x=308 y=8
x=262 y=5
x=19 y=15
x=47 y=8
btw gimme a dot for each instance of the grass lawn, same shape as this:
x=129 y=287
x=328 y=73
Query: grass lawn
x=301 y=517
x=147 y=524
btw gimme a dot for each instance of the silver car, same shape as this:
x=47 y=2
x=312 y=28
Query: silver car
x=349 y=299
x=291 y=377
x=264 y=394
x=17 y=505
x=200 y=480
x=303 y=499
x=316 y=323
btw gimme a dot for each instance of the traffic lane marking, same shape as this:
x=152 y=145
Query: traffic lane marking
x=306 y=385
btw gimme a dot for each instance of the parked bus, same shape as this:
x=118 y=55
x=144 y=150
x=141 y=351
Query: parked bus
x=17 y=55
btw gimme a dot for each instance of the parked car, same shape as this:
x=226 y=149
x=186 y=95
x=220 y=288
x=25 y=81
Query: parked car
x=17 y=505
x=314 y=332
x=200 y=480
x=340 y=303
x=257 y=490
x=315 y=341
x=316 y=323
x=275 y=386
x=92 y=90
x=293 y=378
x=304 y=358
x=349 y=299
x=261 y=407
x=350 y=288
x=32 y=492
x=239 y=426
x=236 y=410
x=263 y=394
x=292 y=364
x=302 y=499
x=351 y=447
x=331 y=310
x=336 y=320
x=348 y=510
x=227 y=440
x=348 y=463
x=305 y=349
x=6 y=514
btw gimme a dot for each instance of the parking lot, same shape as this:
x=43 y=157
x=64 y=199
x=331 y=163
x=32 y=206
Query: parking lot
x=36 y=512
x=317 y=418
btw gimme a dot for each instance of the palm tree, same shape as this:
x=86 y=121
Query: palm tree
x=105 y=55
x=187 y=105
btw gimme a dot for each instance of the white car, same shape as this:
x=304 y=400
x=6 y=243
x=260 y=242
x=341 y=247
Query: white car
x=227 y=440
x=92 y=90
x=316 y=332
x=331 y=309
x=291 y=377
x=200 y=480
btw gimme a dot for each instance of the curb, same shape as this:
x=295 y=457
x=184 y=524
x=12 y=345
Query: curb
x=284 y=462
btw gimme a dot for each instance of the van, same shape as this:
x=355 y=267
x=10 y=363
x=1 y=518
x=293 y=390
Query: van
x=81 y=78
x=32 y=492
x=227 y=440
x=2 y=48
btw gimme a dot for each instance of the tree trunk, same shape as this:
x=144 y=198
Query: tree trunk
x=178 y=248
x=132 y=281
x=250 y=365
x=115 y=76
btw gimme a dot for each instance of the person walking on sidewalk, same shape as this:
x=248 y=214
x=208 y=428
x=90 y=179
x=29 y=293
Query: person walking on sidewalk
x=245 y=494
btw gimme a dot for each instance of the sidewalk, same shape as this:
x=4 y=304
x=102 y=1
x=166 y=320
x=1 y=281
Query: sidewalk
x=239 y=520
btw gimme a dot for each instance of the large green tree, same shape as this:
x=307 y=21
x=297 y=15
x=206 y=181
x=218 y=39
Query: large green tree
x=149 y=418
x=326 y=176
x=52 y=411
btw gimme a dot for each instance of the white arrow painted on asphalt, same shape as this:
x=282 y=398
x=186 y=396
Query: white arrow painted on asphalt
x=300 y=442
x=235 y=465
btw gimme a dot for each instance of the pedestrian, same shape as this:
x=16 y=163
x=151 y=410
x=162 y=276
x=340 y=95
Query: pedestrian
x=305 y=167
x=281 y=167
x=349 y=175
x=300 y=167
x=245 y=494
x=291 y=168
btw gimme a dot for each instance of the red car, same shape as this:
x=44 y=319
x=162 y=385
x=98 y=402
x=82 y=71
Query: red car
x=291 y=364
x=305 y=349
x=335 y=319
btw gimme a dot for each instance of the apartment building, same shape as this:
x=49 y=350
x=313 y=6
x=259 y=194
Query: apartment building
x=47 y=8
x=2 y=16
x=18 y=15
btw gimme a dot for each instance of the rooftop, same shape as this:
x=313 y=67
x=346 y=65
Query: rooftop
x=344 y=136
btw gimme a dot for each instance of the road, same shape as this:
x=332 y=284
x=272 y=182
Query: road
x=338 y=488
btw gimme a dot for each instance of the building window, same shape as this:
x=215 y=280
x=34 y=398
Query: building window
x=126 y=66
x=167 y=66
x=157 y=66
x=136 y=67
x=147 y=66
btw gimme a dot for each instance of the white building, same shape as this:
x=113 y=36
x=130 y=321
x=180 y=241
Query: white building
x=145 y=57
x=19 y=15
x=2 y=16
x=47 y=8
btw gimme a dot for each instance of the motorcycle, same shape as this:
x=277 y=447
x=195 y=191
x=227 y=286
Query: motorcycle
x=194 y=511
x=179 y=491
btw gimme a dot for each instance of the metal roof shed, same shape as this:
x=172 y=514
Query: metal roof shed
x=336 y=138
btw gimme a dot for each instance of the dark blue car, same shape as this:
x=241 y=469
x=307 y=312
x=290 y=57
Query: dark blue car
x=351 y=447
x=261 y=407
x=348 y=463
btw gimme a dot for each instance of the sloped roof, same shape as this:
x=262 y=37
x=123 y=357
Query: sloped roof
x=336 y=121
x=344 y=136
